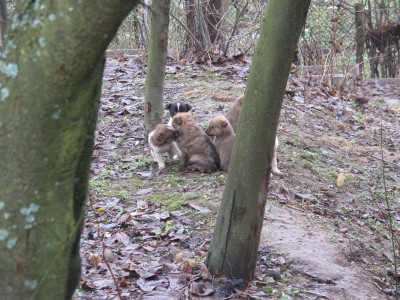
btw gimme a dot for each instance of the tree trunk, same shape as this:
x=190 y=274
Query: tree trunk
x=203 y=29
x=154 y=84
x=360 y=36
x=216 y=16
x=50 y=83
x=191 y=46
x=233 y=250
x=3 y=22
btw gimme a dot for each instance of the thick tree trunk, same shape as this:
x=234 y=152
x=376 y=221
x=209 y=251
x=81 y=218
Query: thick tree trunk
x=233 y=250
x=154 y=84
x=50 y=83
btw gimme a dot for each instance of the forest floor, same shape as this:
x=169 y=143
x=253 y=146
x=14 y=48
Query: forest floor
x=326 y=233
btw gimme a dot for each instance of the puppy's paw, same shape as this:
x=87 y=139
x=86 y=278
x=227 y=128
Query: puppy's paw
x=276 y=171
x=177 y=157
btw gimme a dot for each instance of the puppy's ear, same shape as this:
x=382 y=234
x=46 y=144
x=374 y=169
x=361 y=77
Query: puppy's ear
x=168 y=106
x=224 y=123
x=188 y=107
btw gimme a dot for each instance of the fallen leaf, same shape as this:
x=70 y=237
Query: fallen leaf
x=221 y=97
x=199 y=208
x=123 y=238
x=340 y=179
x=141 y=204
x=361 y=100
x=143 y=191
x=95 y=260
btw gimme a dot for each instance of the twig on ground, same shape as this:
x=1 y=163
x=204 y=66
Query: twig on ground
x=103 y=246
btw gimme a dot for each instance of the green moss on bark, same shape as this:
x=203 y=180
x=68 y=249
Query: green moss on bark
x=46 y=139
x=234 y=246
x=154 y=84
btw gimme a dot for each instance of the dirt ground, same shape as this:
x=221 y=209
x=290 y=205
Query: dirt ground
x=326 y=233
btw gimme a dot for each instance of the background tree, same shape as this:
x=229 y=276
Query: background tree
x=154 y=84
x=216 y=15
x=206 y=22
x=233 y=250
x=50 y=82
x=3 y=21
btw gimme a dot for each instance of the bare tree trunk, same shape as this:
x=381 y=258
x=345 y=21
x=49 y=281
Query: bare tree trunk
x=47 y=126
x=360 y=35
x=233 y=250
x=203 y=28
x=3 y=22
x=154 y=84
x=142 y=21
x=216 y=16
x=191 y=46
x=204 y=21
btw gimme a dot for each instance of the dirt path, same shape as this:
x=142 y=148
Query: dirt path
x=318 y=252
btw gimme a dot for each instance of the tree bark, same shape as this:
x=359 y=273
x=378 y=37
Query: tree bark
x=216 y=16
x=233 y=250
x=360 y=35
x=50 y=83
x=203 y=28
x=191 y=46
x=3 y=22
x=154 y=84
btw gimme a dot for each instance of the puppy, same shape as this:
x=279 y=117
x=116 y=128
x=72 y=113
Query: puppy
x=234 y=111
x=175 y=108
x=198 y=152
x=233 y=116
x=161 y=140
x=224 y=137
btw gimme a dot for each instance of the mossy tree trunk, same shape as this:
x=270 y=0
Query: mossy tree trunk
x=154 y=84
x=233 y=250
x=50 y=83
x=3 y=21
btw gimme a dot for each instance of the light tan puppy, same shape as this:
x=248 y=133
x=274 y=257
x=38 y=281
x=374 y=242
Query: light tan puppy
x=224 y=137
x=161 y=140
x=198 y=152
x=233 y=116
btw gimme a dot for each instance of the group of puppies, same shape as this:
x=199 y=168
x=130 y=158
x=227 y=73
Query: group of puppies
x=203 y=151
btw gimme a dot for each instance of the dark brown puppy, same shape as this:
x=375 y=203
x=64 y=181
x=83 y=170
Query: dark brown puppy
x=161 y=140
x=233 y=116
x=198 y=152
x=224 y=137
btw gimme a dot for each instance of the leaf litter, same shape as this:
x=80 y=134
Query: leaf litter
x=153 y=229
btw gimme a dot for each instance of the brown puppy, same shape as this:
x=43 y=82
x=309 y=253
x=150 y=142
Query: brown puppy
x=198 y=152
x=224 y=137
x=233 y=116
x=161 y=140
x=233 y=112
